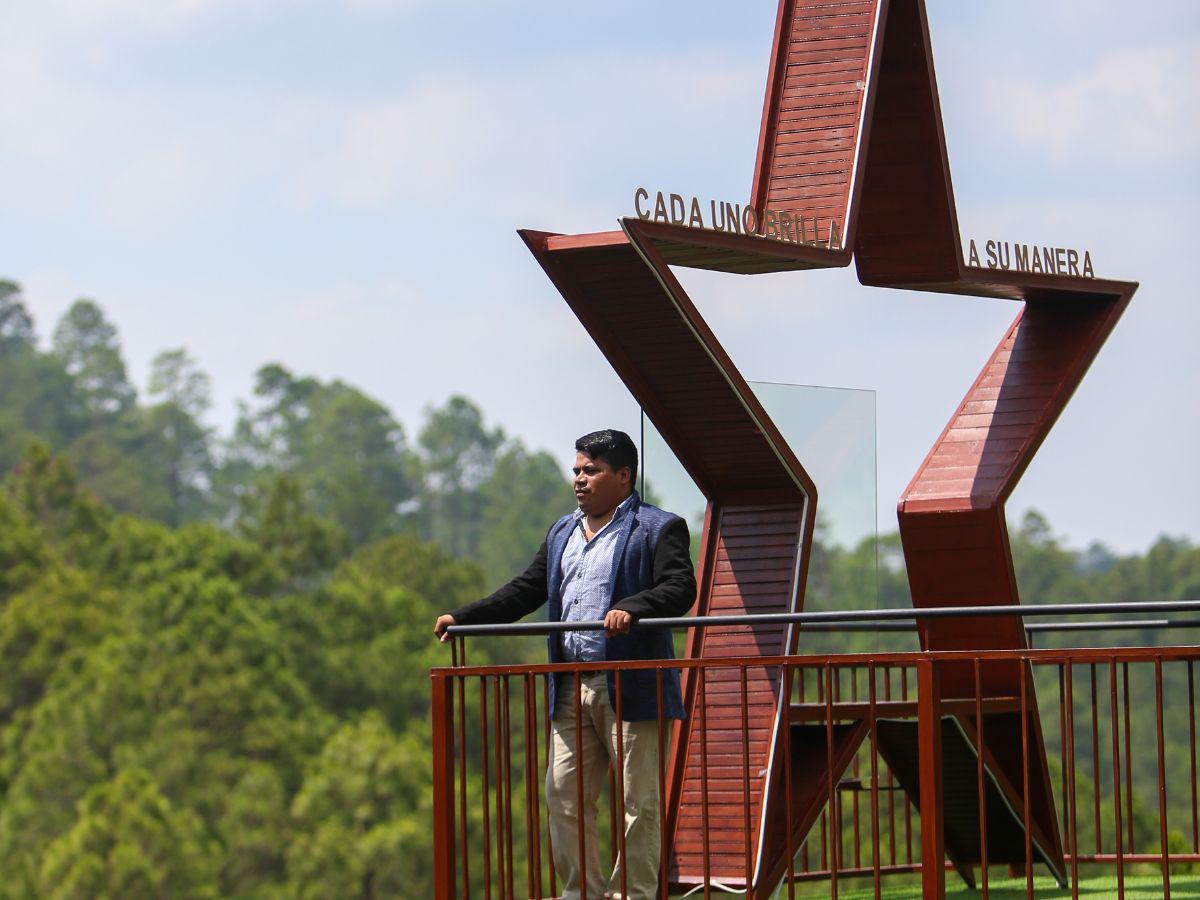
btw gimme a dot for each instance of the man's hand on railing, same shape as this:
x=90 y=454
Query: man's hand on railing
x=617 y=621
x=440 y=626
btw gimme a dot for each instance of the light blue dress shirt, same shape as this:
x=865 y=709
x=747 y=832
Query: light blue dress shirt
x=587 y=584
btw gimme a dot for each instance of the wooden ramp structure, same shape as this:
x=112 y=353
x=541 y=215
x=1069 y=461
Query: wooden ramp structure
x=852 y=140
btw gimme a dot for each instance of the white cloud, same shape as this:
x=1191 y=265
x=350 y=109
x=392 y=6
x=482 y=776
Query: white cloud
x=155 y=155
x=381 y=6
x=62 y=20
x=375 y=152
x=155 y=189
x=41 y=116
x=1135 y=106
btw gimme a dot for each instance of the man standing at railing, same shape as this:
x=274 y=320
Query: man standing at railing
x=619 y=560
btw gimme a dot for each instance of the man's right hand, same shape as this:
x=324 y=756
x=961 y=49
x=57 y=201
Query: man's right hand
x=440 y=626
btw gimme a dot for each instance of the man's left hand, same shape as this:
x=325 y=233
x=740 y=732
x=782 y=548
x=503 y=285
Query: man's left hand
x=617 y=621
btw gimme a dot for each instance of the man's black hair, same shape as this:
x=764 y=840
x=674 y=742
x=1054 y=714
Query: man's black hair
x=613 y=447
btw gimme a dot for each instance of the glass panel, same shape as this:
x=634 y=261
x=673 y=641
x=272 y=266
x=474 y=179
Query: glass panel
x=832 y=433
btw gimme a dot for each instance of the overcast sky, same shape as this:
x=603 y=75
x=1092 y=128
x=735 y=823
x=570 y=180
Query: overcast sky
x=335 y=185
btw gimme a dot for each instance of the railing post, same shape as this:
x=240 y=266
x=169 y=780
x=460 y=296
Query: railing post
x=929 y=735
x=442 y=714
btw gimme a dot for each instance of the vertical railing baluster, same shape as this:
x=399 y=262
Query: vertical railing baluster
x=1191 y=680
x=875 y=861
x=1062 y=743
x=837 y=824
x=508 y=810
x=857 y=775
x=527 y=783
x=620 y=767
x=549 y=762
x=749 y=865
x=579 y=792
x=663 y=837
x=785 y=675
x=1162 y=778
x=835 y=818
x=1073 y=831
x=804 y=865
x=461 y=749
x=1116 y=752
x=533 y=824
x=1130 y=842
x=983 y=843
x=1026 y=677
x=825 y=865
x=908 y=847
x=1096 y=760
x=501 y=855
x=486 y=794
x=891 y=779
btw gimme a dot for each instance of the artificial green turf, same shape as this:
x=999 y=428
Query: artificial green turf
x=1138 y=887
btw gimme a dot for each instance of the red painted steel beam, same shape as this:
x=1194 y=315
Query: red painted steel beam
x=762 y=504
x=902 y=225
x=817 y=110
x=951 y=516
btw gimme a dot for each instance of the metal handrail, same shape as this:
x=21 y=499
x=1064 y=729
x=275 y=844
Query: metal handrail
x=1032 y=628
x=876 y=619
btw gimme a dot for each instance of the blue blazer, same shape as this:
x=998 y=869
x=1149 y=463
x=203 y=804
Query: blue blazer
x=652 y=578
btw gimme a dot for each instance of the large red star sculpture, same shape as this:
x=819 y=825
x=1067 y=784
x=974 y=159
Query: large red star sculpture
x=852 y=142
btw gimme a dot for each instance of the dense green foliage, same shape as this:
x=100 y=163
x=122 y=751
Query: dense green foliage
x=181 y=709
x=467 y=486
x=212 y=649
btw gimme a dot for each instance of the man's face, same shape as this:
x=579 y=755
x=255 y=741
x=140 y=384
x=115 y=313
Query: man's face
x=597 y=487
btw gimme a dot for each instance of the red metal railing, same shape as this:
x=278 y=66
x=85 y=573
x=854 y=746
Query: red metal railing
x=1119 y=727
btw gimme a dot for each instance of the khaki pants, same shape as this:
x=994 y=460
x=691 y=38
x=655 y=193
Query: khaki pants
x=598 y=743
